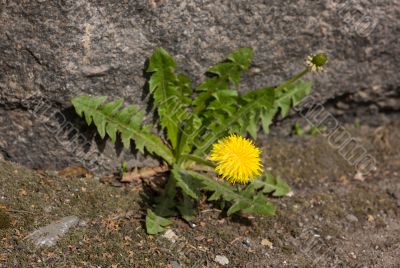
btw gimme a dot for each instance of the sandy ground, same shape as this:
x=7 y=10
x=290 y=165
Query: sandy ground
x=335 y=217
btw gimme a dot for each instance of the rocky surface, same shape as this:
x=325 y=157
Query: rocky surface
x=51 y=51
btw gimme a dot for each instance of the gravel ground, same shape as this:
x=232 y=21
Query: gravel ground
x=335 y=217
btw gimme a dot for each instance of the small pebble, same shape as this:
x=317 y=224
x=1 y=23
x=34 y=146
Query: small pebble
x=370 y=218
x=351 y=218
x=290 y=194
x=221 y=259
x=267 y=243
x=247 y=242
x=192 y=225
x=175 y=264
x=199 y=238
x=83 y=223
x=48 y=209
x=170 y=235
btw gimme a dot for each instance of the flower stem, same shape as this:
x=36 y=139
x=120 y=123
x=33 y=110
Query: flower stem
x=199 y=160
x=292 y=80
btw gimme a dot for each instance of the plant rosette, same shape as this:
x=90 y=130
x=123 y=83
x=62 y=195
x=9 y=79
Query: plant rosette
x=203 y=127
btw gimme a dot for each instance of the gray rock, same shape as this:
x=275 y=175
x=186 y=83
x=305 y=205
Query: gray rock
x=351 y=218
x=175 y=264
x=171 y=236
x=50 y=53
x=221 y=259
x=248 y=242
x=49 y=235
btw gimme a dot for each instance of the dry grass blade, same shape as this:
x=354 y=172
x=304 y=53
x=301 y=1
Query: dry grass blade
x=143 y=173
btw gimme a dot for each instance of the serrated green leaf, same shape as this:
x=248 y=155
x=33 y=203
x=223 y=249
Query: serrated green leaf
x=238 y=61
x=160 y=60
x=170 y=92
x=207 y=89
x=108 y=118
x=187 y=208
x=249 y=202
x=260 y=207
x=242 y=57
x=277 y=185
x=216 y=100
x=165 y=206
x=155 y=224
x=292 y=96
x=252 y=124
x=229 y=70
x=111 y=129
x=263 y=103
x=224 y=100
x=256 y=103
x=190 y=130
x=166 y=203
x=189 y=186
x=266 y=118
x=92 y=102
x=237 y=206
x=271 y=184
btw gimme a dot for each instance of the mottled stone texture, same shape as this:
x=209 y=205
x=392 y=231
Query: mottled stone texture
x=51 y=51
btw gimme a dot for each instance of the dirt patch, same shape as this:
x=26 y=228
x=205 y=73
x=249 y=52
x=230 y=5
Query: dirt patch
x=332 y=219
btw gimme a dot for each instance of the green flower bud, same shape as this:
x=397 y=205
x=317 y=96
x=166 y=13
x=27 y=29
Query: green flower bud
x=315 y=62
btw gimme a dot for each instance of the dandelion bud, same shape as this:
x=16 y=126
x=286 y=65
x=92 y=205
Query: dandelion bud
x=315 y=62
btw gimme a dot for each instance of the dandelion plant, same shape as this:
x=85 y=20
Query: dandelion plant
x=204 y=128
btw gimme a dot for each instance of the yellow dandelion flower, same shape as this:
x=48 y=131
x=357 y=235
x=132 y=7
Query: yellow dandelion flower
x=238 y=159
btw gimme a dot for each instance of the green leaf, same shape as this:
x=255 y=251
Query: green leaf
x=292 y=95
x=189 y=186
x=199 y=160
x=207 y=89
x=258 y=105
x=260 y=206
x=222 y=74
x=187 y=208
x=109 y=118
x=155 y=224
x=238 y=61
x=242 y=57
x=271 y=184
x=165 y=206
x=190 y=130
x=297 y=129
x=237 y=206
x=223 y=100
x=247 y=201
x=166 y=203
x=252 y=126
x=87 y=103
x=171 y=93
x=228 y=70
x=266 y=118
x=247 y=118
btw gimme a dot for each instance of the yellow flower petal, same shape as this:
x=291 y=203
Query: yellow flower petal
x=238 y=159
